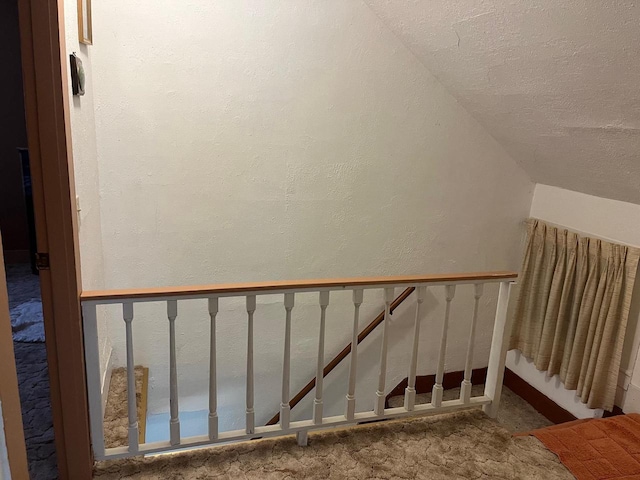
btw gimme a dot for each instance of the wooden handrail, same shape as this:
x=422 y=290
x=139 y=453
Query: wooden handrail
x=265 y=287
x=345 y=351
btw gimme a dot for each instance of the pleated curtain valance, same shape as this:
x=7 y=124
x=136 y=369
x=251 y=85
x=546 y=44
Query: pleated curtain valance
x=572 y=309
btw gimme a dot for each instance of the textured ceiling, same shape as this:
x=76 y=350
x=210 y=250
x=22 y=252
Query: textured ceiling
x=557 y=83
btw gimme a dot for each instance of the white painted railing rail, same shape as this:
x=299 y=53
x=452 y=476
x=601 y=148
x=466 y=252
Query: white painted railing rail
x=172 y=296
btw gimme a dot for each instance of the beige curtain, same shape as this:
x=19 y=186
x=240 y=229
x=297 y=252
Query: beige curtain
x=572 y=309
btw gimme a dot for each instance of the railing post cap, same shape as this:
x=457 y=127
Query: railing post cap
x=450 y=292
x=358 y=296
x=324 y=298
x=213 y=305
x=421 y=293
x=289 y=300
x=127 y=311
x=251 y=303
x=172 y=308
x=389 y=294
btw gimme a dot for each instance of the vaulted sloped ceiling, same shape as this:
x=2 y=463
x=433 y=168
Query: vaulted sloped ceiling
x=557 y=83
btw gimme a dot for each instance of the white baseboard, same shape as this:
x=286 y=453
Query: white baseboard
x=624 y=381
x=106 y=380
x=552 y=387
x=632 y=399
x=624 y=378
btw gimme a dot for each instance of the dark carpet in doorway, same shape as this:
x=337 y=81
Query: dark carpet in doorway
x=33 y=381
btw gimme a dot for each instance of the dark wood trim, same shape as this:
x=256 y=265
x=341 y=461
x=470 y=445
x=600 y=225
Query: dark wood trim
x=345 y=351
x=425 y=383
x=48 y=130
x=543 y=404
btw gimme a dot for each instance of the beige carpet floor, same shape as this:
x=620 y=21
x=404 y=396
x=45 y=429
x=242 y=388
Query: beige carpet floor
x=116 y=423
x=463 y=445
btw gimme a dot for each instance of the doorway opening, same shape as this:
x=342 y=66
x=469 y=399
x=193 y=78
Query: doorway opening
x=19 y=244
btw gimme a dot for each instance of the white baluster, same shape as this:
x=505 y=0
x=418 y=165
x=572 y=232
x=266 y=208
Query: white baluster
x=213 y=394
x=285 y=409
x=302 y=438
x=498 y=355
x=436 y=395
x=410 y=392
x=382 y=374
x=92 y=361
x=317 y=402
x=465 y=387
x=127 y=310
x=251 y=308
x=174 y=422
x=351 y=394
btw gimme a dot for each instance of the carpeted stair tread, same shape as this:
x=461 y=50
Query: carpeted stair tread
x=116 y=423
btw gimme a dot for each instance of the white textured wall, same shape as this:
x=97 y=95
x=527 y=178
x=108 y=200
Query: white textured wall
x=554 y=82
x=242 y=141
x=607 y=219
x=86 y=170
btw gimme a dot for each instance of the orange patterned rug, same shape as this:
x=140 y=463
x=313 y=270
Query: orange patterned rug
x=597 y=449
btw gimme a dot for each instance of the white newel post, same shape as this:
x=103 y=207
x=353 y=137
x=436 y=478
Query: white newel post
x=251 y=308
x=351 y=393
x=436 y=394
x=92 y=361
x=382 y=373
x=410 y=391
x=174 y=422
x=498 y=355
x=285 y=408
x=465 y=387
x=213 y=394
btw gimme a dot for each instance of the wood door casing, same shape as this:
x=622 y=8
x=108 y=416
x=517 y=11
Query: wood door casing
x=48 y=130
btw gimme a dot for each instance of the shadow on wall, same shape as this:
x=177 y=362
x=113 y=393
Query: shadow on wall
x=13 y=135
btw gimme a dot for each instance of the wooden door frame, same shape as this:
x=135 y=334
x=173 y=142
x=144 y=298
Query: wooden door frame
x=48 y=130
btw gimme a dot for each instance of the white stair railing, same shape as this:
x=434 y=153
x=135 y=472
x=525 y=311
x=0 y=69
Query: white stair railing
x=172 y=296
